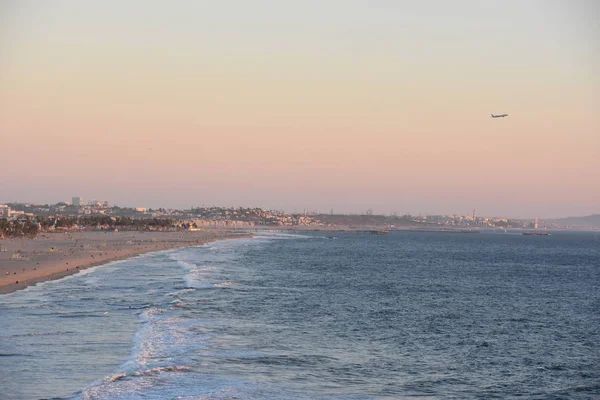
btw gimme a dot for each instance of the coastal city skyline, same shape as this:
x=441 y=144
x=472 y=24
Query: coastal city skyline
x=83 y=203
x=102 y=211
x=347 y=105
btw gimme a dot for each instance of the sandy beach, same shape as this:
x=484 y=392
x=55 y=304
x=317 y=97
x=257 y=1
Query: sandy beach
x=25 y=262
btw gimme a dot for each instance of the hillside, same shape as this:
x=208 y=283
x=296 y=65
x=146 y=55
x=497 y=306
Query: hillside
x=589 y=221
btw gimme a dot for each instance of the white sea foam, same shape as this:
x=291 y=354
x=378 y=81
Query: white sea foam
x=166 y=342
x=187 y=265
x=181 y=292
x=280 y=235
x=178 y=303
x=224 y=284
x=193 y=281
x=196 y=276
x=157 y=370
x=151 y=371
x=150 y=313
x=115 y=377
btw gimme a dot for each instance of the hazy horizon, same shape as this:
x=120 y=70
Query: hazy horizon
x=311 y=211
x=350 y=105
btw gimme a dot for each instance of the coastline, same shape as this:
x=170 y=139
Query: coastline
x=51 y=256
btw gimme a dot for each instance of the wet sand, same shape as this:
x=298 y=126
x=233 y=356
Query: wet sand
x=25 y=262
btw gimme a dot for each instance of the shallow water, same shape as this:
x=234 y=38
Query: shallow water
x=405 y=315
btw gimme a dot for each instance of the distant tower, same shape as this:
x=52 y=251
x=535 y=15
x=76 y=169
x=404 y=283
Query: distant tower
x=77 y=201
x=474 y=214
x=536 y=224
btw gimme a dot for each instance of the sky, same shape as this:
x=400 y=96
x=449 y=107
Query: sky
x=345 y=105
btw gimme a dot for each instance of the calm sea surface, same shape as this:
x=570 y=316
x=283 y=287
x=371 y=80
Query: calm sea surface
x=400 y=316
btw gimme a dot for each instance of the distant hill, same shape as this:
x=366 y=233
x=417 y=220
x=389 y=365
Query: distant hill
x=590 y=221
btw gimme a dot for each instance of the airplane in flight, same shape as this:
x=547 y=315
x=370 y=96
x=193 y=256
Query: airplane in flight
x=499 y=115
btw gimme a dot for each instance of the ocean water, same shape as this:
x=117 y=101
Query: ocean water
x=401 y=316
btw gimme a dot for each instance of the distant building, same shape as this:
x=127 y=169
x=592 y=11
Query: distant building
x=77 y=201
x=98 y=203
x=17 y=214
x=141 y=209
x=4 y=211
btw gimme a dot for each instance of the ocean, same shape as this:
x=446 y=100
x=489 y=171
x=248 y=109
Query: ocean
x=408 y=315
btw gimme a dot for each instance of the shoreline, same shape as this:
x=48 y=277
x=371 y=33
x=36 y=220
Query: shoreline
x=51 y=256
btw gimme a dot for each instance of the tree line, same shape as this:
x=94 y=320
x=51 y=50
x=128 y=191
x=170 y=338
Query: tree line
x=32 y=226
x=18 y=228
x=92 y=221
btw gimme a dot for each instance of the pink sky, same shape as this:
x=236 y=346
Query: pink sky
x=342 y=106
